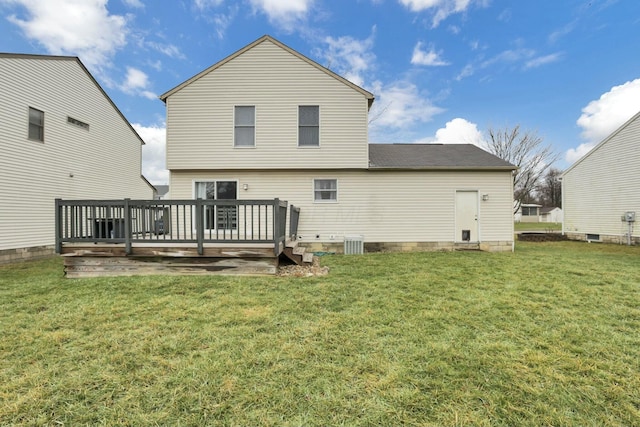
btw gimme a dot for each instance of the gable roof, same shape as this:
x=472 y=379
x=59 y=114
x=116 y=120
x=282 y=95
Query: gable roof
x=434 y=156
x=86 y=71
x=601 y=143
x=368 y=95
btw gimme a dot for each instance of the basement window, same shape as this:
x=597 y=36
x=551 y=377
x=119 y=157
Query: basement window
x=78 y=123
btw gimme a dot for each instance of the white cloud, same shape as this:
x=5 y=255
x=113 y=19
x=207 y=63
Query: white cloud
x=543 y=60
x=350 y=57
x=204 y=4
x=73 y=27
x=460 y=131
x=170 y=50
x=467 y=71
x=136 y=83
x=430 y=58
x=154 y=152
x=284 y=13
x=441 y=8
x=400 y=105
x=134 y=3
x=456 y=131
x=604 y=115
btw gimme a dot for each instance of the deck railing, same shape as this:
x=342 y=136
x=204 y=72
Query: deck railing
x=171 y=221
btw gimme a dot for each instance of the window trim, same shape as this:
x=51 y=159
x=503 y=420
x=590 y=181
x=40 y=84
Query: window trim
x=323 y=201
x=298 y=126
x=255 y=116
x=29 y=125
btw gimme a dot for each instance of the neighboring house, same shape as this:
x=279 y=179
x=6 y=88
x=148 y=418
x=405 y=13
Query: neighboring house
x=528 y=212
x=551 y=214
x=162 y=192
x=267 y=122
x=62 y=137
x=603 y=186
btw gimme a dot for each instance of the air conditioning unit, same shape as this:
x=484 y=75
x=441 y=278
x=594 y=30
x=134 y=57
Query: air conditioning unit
x=353 y=245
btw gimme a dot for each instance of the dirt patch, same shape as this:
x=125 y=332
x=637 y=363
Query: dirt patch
x=294 y=270
x=541 y=237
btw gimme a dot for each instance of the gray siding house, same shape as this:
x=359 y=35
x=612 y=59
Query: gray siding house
x=268 y=122
x=62 y=137
x=602 y=187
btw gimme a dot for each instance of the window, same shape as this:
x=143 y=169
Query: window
x=36 y=124
x=529 y=210
x=78 y=123
x=245 y=127
x=325 y=190
x=308 y=126
x=222 y=217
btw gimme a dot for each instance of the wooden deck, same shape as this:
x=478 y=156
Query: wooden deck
x=113 y=238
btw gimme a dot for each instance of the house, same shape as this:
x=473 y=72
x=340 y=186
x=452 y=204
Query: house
x=600 y=191
x=268 y=122
x=162 y=192
x=528 y=212
x=62 y=137
x=531 y=212
x=551 y=214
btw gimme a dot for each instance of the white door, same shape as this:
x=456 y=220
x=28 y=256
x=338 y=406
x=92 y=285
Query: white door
x=466 y=216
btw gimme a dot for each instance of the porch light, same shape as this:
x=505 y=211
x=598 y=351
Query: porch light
x=245 y=187
x=485 y=197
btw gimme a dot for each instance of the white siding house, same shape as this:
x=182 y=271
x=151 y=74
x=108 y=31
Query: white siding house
x=602 y=186
x=268 y=122
x=62 y=137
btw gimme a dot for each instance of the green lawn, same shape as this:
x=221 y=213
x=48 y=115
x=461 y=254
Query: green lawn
x=537 y=226
x=548 y=335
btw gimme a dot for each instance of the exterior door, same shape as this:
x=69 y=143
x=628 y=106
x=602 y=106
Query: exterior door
x=220 y=217
x=466 y=216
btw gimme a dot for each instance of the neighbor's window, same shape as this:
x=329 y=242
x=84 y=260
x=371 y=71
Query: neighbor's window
x=308 y=126
x=78 y=123
x=36 y=124
x=529 y=211
x=325 y=190
x=245 y=126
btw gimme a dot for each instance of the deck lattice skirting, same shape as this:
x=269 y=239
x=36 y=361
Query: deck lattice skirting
x=129 y=237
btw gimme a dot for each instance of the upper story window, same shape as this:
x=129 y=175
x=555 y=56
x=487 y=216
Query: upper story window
x=78 y=123
x=325 y=190
x=36 y=124
x=245 y=126
x=308 y=126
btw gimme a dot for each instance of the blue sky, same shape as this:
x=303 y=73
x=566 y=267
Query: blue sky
x=441 y=70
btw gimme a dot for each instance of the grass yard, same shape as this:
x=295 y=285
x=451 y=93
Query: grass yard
x=549 y=335
x=537 y=226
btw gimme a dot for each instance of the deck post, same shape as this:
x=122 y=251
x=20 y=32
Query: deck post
x=58 y=218
x=200 y=225
x=127 y=226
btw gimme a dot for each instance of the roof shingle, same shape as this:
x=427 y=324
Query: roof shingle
x=433 y=156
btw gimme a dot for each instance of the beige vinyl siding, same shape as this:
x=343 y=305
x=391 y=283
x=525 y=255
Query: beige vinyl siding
x=384 y=206
x=604 y=185
x=105 y=160
x=200 y=123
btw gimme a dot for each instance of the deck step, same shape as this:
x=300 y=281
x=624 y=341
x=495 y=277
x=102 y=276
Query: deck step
x=297 y=253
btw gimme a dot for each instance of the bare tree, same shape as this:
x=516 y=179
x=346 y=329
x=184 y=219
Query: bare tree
x=550 y=188
x=524 y=149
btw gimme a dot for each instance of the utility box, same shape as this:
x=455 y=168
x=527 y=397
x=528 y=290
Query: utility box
x=354 y=245
x=630 y=216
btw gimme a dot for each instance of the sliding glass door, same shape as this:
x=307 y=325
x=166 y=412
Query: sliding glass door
x=219 y=217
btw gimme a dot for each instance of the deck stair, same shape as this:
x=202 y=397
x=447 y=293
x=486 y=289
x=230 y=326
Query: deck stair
x=297 y=254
